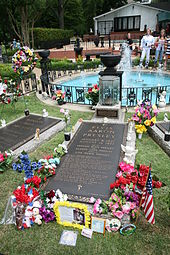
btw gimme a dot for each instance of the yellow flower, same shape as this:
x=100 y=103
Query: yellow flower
x=147 y=122
x=154 y=107
x=139 y=114
x=140 y=129
x=153 y=119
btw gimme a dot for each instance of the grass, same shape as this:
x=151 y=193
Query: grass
x=45 y=239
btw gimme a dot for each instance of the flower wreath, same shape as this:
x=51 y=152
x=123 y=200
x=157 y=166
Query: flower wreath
x=24 y=61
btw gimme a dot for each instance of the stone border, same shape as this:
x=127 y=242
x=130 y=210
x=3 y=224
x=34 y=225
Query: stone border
x=158 y=136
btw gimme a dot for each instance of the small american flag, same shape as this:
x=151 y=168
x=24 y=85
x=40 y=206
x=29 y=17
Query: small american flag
x=147 y=200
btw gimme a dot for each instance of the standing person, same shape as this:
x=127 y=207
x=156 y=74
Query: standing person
x=167 y=54
x=146 y=43
x=18 y=45
x=160 y=47
x=130 y=44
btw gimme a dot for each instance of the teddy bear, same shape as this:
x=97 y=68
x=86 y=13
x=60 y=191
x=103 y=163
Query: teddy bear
x=36 y=214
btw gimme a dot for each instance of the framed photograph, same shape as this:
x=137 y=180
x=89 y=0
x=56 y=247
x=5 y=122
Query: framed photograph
x=72 y=214
x=98 y=225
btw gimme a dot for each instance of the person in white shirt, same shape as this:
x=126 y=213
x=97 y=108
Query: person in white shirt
x=146 y=43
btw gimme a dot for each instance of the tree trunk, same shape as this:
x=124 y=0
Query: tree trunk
x=61 y=14
x=32 y=34
x=25 y=25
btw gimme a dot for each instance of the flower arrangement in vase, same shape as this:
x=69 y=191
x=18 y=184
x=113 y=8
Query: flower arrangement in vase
x=68 y=128
x=93 y=94
x=60 y=96
x=145 y=116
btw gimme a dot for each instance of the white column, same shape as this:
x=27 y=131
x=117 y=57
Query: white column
x=95 y=27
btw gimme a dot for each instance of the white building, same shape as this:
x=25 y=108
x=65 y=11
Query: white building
x=130 y=17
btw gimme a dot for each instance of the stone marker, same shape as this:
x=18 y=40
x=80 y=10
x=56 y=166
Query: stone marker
x=91 y=163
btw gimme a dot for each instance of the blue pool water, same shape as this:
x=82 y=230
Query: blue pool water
x=130 y=80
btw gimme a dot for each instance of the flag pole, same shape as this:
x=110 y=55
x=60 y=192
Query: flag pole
x=137 y=215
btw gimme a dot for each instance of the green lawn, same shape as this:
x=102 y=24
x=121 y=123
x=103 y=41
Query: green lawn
x=45 y=239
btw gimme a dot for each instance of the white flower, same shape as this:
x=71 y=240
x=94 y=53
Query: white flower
x=47 y=200
x=65 y=197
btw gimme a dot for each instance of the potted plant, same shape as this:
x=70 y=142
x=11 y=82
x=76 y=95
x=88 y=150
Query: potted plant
x=68 y=127
x=93 y=94
x=144 y=117
x=60 y=96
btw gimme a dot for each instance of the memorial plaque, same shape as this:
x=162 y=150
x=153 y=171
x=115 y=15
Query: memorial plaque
x=91 y=163
x=164 y=126
x=21 y=131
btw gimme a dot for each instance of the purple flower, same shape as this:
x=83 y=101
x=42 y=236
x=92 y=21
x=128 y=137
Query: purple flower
x=47 y=215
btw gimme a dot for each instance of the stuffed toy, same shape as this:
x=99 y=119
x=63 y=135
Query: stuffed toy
x=36 y=214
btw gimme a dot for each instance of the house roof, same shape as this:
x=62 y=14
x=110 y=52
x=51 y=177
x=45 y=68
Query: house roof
x=124 y=6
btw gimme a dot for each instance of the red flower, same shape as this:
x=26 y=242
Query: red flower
x=95 y=86
x=51 y=194
x=116 y=184
x=4 y=90
x=89 y=90
x=156 y=184
x=1 y=157
x=5 y=81
x=45 y=178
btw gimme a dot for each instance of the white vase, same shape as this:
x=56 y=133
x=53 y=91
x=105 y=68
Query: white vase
x=140 y=136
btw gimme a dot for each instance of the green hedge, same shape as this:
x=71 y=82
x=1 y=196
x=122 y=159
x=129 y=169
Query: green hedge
x=65 y=64
x=7 y=71
x=51 y=35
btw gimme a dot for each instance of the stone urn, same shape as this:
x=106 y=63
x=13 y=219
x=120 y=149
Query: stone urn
x=43 y=53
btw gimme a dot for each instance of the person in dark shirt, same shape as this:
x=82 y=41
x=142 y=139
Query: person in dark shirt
x=129 y=41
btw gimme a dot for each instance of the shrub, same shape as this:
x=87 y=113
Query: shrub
x=6 y=71
x=51 y=37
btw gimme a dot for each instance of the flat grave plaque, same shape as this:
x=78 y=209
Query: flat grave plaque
x=91 y=163
x=164 y=126
x=23 y=130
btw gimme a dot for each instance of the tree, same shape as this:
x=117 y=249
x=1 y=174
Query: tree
x=22 y=15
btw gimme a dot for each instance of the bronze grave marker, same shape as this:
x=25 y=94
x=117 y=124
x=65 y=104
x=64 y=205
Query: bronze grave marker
x=91 y=163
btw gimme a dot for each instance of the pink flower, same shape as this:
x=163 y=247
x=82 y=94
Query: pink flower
x=114 y=197
x=118 y=214
x=92 y=200
x=96 y=208
x=119 y=174
x=115 y=206
x=62 y=110
x=132 y=205
x=135 y=118
x=126 y=208
x=98 y=201
x=155 y=111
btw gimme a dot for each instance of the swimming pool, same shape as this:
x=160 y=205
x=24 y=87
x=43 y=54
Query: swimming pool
x=135 y=85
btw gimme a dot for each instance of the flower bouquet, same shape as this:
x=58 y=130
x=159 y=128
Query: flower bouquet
x=9 y=91
x=145 y=116
x=68 y=128
x=5 y=160
x=60 y=96
x=93 y=94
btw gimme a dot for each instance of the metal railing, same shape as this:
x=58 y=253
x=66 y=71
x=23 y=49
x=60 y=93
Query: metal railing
x=130 y=96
